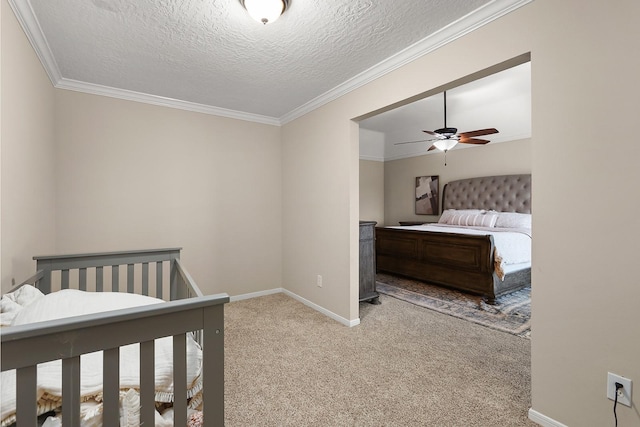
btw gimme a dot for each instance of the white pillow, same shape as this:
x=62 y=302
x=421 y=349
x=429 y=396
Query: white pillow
x=482 y=219
x=447 y=214
x=513 y=220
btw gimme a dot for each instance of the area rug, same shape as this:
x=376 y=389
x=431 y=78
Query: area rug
x=511 y=313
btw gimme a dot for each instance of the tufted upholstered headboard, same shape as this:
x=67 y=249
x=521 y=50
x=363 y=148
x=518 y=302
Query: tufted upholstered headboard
x=503 y=193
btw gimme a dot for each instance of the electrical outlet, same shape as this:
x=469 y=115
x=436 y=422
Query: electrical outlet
x=319 y=281
x=624 y=394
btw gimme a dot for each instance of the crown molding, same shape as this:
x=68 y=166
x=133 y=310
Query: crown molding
x=472 y=21
x=130 y=95
x=372 y=158
x=27 y=19
x=481 y=16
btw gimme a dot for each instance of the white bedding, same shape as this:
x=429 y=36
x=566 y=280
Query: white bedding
x=512 y=245
x=68 y=303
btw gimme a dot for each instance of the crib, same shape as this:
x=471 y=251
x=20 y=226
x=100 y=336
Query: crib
x=186 y=314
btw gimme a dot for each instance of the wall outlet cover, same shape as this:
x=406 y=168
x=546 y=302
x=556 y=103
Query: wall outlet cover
x=624 y=394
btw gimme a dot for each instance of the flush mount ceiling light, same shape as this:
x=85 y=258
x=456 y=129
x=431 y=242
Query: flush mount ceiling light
x=265 y=11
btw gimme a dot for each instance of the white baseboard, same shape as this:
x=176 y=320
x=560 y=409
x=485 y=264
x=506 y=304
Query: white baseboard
x=323 y=310
x=297 y=297
x=543 y=420
x=255 y=294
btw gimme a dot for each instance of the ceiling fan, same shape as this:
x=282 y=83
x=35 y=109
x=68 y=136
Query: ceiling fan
x=446 y=138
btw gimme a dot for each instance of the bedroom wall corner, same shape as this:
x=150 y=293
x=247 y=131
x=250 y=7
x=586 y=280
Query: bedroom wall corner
x=136 y=176
x=318 y=210
x=27 y=224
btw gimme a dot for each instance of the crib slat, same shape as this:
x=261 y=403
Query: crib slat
x=65 y=279
x=213 y=366
x=179 y=380
x=111 y=380
x=147 y=383
x=145 y=278
x=115 y=278
x=26 y=389
x=82 y=285
x=158 y=279
x=71 y=391
x=99 y=279
x=130 y=278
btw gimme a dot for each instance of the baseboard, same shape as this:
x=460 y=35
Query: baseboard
x=543 y=420
x=323 y=310
x=297 y=297
x=255 y=294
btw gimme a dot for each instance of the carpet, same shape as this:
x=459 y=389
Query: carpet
x=511 y=313
x=287 y=364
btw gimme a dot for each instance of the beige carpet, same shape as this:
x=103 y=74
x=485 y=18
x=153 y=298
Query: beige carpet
x=288 y=365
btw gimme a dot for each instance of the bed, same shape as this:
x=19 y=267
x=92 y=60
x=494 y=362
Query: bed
x=143 y=345
x=460 y=251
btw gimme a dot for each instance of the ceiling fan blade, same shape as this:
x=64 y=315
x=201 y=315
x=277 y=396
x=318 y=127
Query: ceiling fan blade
x=433 y=147
x=473 y=141
x=479 y=132
x=437 y=135
x=411 y=142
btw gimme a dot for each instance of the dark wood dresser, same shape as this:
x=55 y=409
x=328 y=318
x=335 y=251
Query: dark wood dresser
x=368 y=262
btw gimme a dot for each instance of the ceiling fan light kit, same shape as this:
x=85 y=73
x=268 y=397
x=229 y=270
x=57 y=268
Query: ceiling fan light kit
x=265 y=11
x=445 y=144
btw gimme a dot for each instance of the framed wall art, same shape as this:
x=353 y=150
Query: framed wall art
x=427 y=201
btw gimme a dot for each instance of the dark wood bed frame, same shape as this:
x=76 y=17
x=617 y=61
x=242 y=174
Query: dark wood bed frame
x=463 y=262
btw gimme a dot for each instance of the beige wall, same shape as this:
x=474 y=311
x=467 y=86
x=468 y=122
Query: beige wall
x=27 y=151
x=133 y=175
x=585 y=291
x=320 y=174
x=584 y=79
x=372 y=191
x=503 y=158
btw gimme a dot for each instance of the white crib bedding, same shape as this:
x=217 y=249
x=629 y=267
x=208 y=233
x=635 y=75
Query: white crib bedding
x=29 y=307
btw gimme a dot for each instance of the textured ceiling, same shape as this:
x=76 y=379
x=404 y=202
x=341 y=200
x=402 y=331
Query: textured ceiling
x=212 y=54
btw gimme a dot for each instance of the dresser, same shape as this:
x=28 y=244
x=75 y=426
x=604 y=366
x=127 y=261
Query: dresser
x=368 y=262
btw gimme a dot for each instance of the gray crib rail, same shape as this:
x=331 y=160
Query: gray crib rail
x=111 y=260
x=25 y=346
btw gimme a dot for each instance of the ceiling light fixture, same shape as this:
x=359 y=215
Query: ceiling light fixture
x=265 y=11
x=446 y=144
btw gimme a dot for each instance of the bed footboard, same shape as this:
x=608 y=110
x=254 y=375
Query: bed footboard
x=463 y=262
